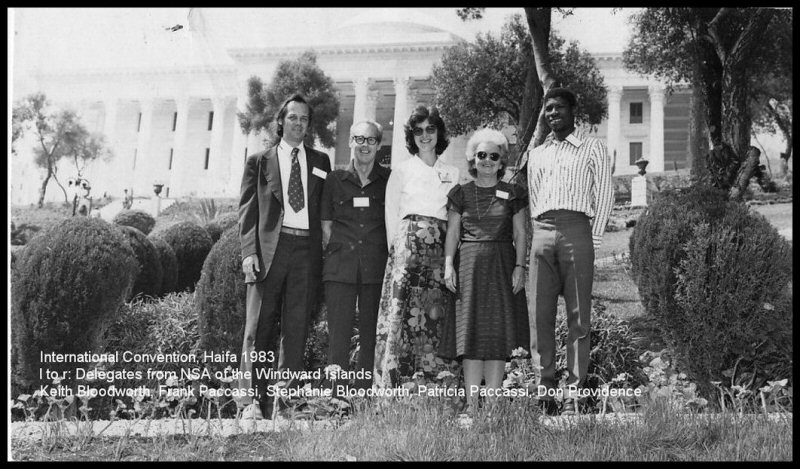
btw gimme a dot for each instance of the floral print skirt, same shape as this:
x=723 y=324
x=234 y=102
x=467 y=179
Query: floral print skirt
x=413 y=304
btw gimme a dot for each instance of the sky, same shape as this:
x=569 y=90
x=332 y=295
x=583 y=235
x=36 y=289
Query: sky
x=74 y=38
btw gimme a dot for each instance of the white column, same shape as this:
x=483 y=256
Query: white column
x=143 y=170
x=399 y=152
x=361 y=86
x=656 y=156
x=373 y=97
x=219 y=164
x=614 y=99
x=181 y=174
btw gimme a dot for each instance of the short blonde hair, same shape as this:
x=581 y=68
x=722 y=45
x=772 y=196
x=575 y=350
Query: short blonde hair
x=488 y=136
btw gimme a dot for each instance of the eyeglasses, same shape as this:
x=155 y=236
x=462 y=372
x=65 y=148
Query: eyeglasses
x=482 y=155
x=430 y=130
x=360 y=139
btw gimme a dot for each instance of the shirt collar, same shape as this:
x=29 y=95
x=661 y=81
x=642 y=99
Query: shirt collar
x=378 y=171
x=423 y=164
x=575 y=138
x=287 y=149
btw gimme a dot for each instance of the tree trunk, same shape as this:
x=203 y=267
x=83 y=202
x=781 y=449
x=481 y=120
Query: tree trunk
x=539 y=25
x=531 y=100
x=698 y=133
x=539 y=28
x=747 y=170
x=736 y=122
x=43 y=189
x=55 y=178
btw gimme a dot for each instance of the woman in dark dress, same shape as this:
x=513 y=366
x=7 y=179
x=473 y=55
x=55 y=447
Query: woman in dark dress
x=484 y=267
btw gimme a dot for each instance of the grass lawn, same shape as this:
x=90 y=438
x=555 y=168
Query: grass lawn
x=422 y=430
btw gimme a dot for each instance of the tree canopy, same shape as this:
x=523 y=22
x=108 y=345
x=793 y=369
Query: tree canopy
x=59 y=134
x=303 y=76
x=741 y=59
x=483 y=83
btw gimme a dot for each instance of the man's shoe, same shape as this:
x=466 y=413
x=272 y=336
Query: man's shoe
x=570 y=407
x=548 y=406
x=252 y=412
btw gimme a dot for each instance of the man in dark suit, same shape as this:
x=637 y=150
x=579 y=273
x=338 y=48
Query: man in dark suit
x=281 y=240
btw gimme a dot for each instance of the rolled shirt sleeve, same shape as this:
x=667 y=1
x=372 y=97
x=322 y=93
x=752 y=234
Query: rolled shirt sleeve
x=603 y=191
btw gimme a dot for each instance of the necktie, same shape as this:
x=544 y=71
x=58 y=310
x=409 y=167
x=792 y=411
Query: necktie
x=296 y=199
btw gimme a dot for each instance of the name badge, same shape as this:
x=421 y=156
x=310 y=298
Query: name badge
x=319 y=173
x=444 y=177
x=501 y=194
x=360 y=201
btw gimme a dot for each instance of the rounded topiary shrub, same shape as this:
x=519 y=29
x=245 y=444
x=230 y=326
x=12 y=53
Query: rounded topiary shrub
x=67 y=289
x=733 y=316
x=220 y=296
x=148 y=282
x=191 y=244
x=717 y=279
x=665 y=225
x=138 y=219
x=169 y=264
x=221 y=223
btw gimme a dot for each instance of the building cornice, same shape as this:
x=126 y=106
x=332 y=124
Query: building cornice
x=140 y=71
x=338 y=49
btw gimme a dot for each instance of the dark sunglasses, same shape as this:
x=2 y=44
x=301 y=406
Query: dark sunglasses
x=482 y=155
x=430 y=130
x=360 y=140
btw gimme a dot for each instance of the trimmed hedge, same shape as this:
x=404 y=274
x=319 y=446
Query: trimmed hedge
x=220 y=296
x=138 y=219
x=218 y=225
x=734 y=317
x=151 y=274
x=68 y=288
x=169 y=265
x=717 y=279
x=191 y=243
x=657 y=236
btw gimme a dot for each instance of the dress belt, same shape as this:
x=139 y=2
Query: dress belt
x=295 y=231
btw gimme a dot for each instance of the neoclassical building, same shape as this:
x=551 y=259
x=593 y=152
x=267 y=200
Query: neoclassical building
x=176 y=124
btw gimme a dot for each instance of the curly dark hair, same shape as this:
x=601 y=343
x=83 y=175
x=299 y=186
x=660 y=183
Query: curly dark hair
x=420 y=114
x=298 y=98
x=562 y=93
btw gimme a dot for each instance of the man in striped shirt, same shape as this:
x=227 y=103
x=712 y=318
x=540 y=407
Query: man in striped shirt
x=571 y=197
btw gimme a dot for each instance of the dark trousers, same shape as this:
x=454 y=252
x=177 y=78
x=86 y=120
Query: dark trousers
x=287 y=293
x=561 y=263
x=341 y=300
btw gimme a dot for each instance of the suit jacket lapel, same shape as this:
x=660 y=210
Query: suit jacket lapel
x=272 y=173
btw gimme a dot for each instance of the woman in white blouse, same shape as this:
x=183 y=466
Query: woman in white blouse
x=414 y=297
